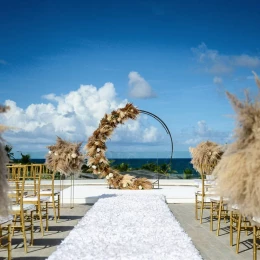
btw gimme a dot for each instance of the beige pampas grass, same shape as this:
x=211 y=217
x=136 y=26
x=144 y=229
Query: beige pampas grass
x=64 y=157
x=96 y=148
x=4 y=109
x=4 y=201
x=205 y=156
x=238 y=172
x=143 y=182
x=3 y=181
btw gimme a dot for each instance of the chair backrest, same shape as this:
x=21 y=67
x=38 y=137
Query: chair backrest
x=37 y=175
x=49 y=175
x=206 y=184
x=16 y=179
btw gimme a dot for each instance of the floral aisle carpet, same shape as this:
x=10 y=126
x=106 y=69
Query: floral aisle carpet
x=132 y=226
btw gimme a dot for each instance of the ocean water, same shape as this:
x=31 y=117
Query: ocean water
x=178 y=164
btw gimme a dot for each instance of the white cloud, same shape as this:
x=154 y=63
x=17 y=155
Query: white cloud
x=202 y=129
x=193 y=141
x=150 y=134
x=202 y=132
x=246 y=61
x=73 y=116
x=213 y=62
x=139 y=87
x=217 y=80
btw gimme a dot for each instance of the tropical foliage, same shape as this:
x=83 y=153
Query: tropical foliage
x=26 y=159
x=10 y=154
x=122 y=167
x=187 y=173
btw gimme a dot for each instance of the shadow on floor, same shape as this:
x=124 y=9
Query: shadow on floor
x=30 y=258
x=67 y=218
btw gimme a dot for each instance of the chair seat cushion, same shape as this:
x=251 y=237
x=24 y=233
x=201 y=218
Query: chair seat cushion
x=207 y=193
x=25 y=207
x=35 y=198
x=235 y=207
x=55 y=199
x=257 y=220
x=209 y=198
x=4 y=220
x=49 y=192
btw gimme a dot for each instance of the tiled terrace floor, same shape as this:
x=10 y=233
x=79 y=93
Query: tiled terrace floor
x=210 y=246
x=44 y=246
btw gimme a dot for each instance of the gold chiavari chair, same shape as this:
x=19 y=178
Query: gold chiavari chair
x=213 y=212
x=34 y=196
x=238 y=223
x=222 y=211
x=256 y=236
x=234 y=217
x=203 y=196
x=6 y=234
x=49 y=190
x=23 y=213
x=243 y=225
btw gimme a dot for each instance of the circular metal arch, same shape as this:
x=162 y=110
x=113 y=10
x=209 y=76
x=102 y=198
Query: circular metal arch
x=164 y=126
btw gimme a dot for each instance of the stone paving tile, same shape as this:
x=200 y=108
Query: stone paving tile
x=211 y=246
x=44 y=246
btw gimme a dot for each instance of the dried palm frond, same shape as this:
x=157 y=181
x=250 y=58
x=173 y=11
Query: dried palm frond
x=3 y=128
x=127 y=181
x=64 y=157
x=4 y=109
x=142 y=184
x=238 y=171
x=96 y=149
x=205 y=156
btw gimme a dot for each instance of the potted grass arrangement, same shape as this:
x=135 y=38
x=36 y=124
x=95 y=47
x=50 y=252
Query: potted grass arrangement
x=4 y=202
x=64 y=157
x=238 y=171
x=205 y=157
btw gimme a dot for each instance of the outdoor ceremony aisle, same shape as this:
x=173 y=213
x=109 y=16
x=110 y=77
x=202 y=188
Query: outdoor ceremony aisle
x=131 y=226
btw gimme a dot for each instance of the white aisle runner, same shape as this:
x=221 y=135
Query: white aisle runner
x=136 y=226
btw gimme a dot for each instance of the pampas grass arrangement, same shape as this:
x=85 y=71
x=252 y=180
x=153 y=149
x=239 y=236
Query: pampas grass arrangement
x=64 y=157
x=238 y=172
x=205 y=156
x=4 y=201
x=96 y=148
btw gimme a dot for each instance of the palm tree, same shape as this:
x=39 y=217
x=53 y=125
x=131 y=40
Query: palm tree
x=26 y=159
x=10 y=154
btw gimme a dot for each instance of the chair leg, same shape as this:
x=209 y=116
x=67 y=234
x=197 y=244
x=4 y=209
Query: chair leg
x=54 y=207
x=219 y=216
x=39 y=210
x=196 y=206
x=24 y=234
x=9 y=248
x=58 y=206
x=254 y=244
x=32 y=228
x=14 y=221
x=245 y=224
x=211 y=216
x=238 y=232
x=231 y=228
x=201 y=210
x=47 y=217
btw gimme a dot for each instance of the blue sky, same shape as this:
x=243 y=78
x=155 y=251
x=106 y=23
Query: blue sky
x=184 y=55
